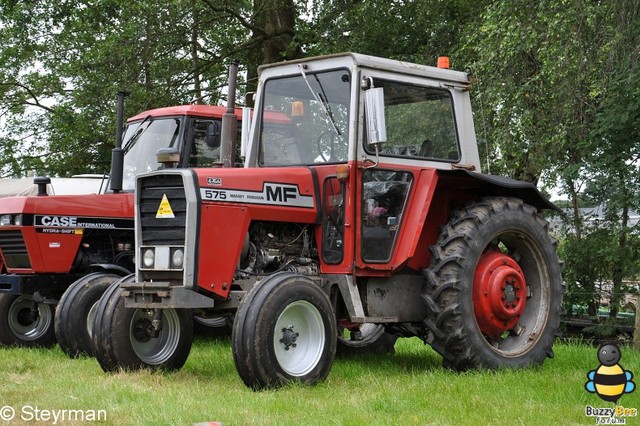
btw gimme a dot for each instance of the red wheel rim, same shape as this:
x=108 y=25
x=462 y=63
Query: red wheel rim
x=499 y=293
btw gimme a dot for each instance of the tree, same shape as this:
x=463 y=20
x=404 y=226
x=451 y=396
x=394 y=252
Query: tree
x=63 y=63
x=534 y=65
x=615 y=166
x=588 y=261
x=417 y=31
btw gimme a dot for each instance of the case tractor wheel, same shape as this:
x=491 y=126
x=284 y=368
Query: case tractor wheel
x=284 y=331
x=25 y=323
x=133 y=339
x=494 y=287
x=361 y=339
x=76 y=312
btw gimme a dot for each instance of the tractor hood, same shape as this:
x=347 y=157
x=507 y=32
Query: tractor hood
x=71 y=210
x=289 y=191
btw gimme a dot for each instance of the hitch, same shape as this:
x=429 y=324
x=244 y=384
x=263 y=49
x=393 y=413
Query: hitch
x=156 y=323
x=34 y=313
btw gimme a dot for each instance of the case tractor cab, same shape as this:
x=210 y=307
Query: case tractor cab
x=81 y=243
x=363 y=219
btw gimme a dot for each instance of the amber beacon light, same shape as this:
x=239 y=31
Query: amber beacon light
x=443 y=62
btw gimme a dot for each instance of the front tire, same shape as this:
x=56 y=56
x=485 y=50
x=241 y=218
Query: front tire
x=363 y=339
x=216 y=327
x=18 y=325
x=76 y=312
x=123 y=337
x=494 y=287
x=284 y=331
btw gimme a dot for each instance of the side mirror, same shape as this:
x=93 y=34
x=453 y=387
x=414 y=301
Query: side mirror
x=374 y=111
x=213 y=134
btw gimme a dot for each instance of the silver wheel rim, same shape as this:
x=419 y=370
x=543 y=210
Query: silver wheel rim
x=299 y=338
x=154 y=350
x=91 y=316
x=20 y=323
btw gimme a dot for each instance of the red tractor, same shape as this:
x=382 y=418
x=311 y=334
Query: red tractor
x=65 y=250
x=362 y=218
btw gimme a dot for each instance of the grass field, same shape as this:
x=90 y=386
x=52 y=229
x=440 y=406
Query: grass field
x=408 y=388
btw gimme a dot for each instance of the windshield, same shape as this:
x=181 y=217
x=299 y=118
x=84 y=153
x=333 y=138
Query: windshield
x=141 y=140
x=305 y=119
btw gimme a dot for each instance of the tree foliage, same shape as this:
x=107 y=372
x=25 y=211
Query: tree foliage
x=64 y=61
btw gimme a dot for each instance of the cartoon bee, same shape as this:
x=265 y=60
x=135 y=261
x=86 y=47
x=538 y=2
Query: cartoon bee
x=609 y=381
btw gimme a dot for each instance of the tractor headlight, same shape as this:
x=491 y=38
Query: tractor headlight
x=17 y=220
x=162 y=258
x=177 y=258
x=148 y=257
x=5 y=220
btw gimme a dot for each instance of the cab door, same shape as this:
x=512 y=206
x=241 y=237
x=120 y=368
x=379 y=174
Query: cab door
x=392 y=202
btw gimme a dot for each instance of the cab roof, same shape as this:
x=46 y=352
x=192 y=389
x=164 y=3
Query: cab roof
x=374 y=62
x=205 y=111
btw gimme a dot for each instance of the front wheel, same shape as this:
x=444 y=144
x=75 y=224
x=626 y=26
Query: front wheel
x=77 y=310
x=25 y=323
x=133 y=339
x=494 y=287
x=218 y=326
x=362 y=339
x=284 y=331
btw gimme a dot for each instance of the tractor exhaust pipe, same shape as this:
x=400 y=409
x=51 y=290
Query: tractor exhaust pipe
x=229 y=132
x=117 y=154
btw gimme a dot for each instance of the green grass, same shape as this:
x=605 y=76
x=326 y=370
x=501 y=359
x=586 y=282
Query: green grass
x=408 y=388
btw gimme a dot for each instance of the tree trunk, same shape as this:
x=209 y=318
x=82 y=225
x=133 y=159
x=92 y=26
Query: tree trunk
x=619 y=269
x=277 y=19
x=636 y=329
x=195 y=59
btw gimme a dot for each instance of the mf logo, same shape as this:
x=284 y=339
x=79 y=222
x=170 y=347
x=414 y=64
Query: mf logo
x=281 y=193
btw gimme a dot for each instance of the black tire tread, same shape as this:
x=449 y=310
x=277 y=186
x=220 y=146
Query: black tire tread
x=446 y=289
x=111 y=339
x=71 y=313
x=251 y=353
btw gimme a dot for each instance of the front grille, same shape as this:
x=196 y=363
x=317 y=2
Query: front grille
x=165 y=230
x=14 y=249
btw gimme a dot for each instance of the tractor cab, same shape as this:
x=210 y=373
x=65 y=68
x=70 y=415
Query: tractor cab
x=191 y=130
x=376 y=128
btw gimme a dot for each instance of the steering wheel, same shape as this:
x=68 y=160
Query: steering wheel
x=332 y=142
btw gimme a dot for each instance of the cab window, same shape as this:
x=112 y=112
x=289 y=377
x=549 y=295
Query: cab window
x=420 y=122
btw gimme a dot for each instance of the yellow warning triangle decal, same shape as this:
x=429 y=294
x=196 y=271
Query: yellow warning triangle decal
x=164 y=210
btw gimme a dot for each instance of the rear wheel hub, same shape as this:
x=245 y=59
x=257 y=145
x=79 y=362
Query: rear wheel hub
x=499 y=293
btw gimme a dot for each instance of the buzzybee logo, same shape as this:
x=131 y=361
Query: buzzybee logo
x=610 y=381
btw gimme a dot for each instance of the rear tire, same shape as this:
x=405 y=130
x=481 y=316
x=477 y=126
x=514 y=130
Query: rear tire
x=494 y=287
x=122 y=339
x=284 y=331
x=76 y=311
x=19 y=328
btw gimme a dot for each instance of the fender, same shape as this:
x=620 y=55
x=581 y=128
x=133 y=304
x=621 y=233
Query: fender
x=501 y=185
x=442 y=191
x=109 y=267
